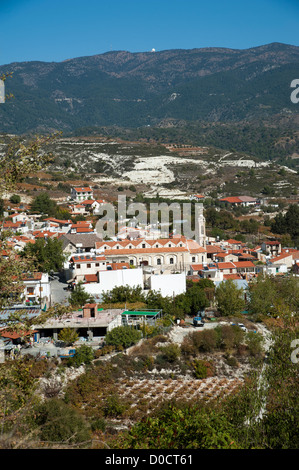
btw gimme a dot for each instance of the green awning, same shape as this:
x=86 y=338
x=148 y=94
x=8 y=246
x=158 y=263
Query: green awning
x=137 y=313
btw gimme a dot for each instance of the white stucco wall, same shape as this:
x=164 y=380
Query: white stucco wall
x=168 y=284
x=110 y=279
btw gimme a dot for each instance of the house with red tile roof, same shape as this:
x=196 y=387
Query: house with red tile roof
x=81 y=193
x=166 y=255
x=240 y=200
x=58 y=225
x=82 y=264
x=18 y=226
x=233 y=200
x=37 y=288
x=283 y=258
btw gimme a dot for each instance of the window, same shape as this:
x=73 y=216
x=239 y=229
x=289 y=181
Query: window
x=30 y=290
x=193 y=259
x=97 y=265
x=171 y=261
x=143 y=245
x=78 y=266
x=158 y=261
x=131 y=262
x=88 y=265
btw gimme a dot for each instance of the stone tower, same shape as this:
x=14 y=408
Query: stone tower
x=201 y=226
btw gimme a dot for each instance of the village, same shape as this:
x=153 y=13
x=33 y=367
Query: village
x=144 y=257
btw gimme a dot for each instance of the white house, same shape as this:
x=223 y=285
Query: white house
x=85 y=264
x=115 y=278
x=37 y=288
x=80 y=193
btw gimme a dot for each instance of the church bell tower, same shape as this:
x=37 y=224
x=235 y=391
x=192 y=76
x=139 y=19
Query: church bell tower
x=201 y=226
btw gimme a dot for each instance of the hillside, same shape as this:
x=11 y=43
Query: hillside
x=144 y=89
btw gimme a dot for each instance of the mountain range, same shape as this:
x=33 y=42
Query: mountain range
x=145 y=89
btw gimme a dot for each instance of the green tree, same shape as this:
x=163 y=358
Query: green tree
x=274 y=296
x=83 y=355
x=43 y=204
x=288 y=223
x=230 y=299
x=123 y=336
x=197 y=299
x=1 y=207
x=79 y=296
x=182 y=427
x=123 y=294
x=47 y=254
x=68 y=336
x=22 y=159
x=15 y=199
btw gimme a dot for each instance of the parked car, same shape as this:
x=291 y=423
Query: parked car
x=243 y=327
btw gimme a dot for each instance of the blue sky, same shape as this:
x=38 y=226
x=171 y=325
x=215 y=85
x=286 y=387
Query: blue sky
x=55 y=30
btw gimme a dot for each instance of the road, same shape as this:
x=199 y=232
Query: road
x=59 y=292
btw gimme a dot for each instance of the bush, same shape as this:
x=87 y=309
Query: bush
x=200 y=369
x=232 y=361
x=254 y=343
x=203 y=369
x=123 y=336
x=68 y=335
x=188 y=348
x=104 y=350
x=208 y=341
x=15 y=199
x=114 y=407
x=83 y=355
x=60 y=423
x=199 y=341
x=228 y=337
x=171 y=352
x=144 y=363
x=98 y=424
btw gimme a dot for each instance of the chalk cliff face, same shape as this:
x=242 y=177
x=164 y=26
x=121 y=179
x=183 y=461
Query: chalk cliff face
x=138 y=89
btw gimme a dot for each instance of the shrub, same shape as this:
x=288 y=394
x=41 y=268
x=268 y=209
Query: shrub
x=104 y=350
x=15 y=199
x=208 y=340
x=188 y=348
x=124 y=336
x=68 y=336
x=203 y=369
x=114 y=407
x=83 y=355
x=98 y=424
x=171 y=352
x=145 y=362
x=254 y=343
x=60 y=423
x=199 y=369
x=159 y=339
x=232 y=361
